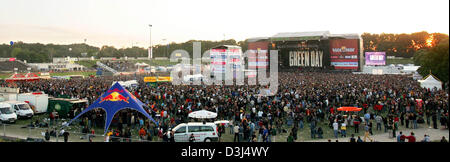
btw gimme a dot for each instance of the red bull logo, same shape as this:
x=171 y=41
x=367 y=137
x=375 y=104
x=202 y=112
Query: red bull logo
x=115 y=90
x=114 y=97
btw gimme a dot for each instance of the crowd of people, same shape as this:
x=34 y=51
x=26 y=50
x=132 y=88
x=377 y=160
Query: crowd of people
x=303 y=99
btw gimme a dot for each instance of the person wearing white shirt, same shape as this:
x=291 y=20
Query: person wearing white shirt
x=260 y=113
x=335 y=128
x=236 y=133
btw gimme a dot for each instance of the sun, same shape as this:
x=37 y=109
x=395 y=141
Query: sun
x=430 y=41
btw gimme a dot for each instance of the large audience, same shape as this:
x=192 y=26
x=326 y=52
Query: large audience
x=303 y=98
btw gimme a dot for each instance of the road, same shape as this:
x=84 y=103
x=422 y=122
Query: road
x=435 y=135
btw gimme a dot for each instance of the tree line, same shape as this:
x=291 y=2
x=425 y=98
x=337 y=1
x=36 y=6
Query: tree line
x=434 y=60
x=400 y=45
x=39 y=53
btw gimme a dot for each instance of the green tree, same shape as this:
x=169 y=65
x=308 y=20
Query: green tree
x=435 y=60
x=109 y=51
x=21 y=54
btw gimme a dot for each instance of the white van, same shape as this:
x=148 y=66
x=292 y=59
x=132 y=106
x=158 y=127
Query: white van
x=22 y=109
x=202 y=132
x=6 y=115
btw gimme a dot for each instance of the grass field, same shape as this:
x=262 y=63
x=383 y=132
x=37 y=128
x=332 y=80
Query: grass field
x=84 y=73
x=88 y=64
x=91 y=64
x=5 y=75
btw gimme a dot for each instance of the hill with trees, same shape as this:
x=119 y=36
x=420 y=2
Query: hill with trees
x=399 y=45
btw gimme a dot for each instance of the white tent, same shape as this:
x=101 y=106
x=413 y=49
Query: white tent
x=141 y=64
x=128 y=84
x=202 y=114
x=188 y=78
x=430 y=82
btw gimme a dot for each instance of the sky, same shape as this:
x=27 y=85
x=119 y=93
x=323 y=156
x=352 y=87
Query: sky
x=123 y=23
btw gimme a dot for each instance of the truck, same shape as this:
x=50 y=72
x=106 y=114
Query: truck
x=65 y=106
x=38 y=101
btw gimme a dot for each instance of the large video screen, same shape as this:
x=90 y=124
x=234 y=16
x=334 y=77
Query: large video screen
x=375 y=58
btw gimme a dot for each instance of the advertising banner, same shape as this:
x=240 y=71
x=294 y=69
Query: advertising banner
x=164 y=79
x=375 y=58
x=344 y=53
x=258 y=59
x=221 y=57
x=150 y=79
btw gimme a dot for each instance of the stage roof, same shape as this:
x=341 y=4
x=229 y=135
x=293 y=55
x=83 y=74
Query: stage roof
x=257 y=39
x=346 y=36
x=295 y=36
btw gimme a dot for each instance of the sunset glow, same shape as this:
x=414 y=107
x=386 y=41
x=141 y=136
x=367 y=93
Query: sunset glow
x=123 y=23
x=430 y=41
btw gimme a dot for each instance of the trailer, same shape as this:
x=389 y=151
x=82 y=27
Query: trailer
x=38 y=101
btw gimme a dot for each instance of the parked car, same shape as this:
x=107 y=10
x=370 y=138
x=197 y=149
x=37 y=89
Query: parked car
x=203 y=132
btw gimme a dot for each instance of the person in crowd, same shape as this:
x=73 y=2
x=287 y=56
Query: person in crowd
x=236 y=133
x=319 y=133
x=411 y=138
x=356 y=123
x=352 y=139
x=294 y=131
x=265 y=134
x=359 y=140
x=66 y=136
x=290 y=138
x=344 y=130
x=142 y=133
x=192 y=138
x=426 y=138
x=172 y=136
x=335 y=129
x=379 y=120
x=273 y=133
x=47 y=135
x=367 y=133
x=401 y=137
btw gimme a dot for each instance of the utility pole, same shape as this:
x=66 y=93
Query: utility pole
x=150 y=53
x=164 y=41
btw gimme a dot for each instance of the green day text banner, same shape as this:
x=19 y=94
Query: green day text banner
x=307 y=58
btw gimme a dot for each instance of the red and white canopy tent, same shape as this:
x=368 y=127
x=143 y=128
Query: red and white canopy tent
x=20 y=77
x=31 y=77
x=16 y=77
